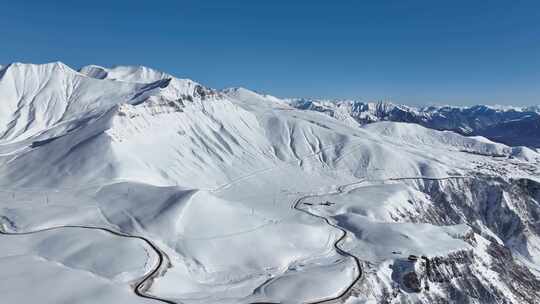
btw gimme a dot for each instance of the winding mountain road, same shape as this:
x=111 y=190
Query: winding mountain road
x=141 y=286
x=342 y=189
x=344 y=232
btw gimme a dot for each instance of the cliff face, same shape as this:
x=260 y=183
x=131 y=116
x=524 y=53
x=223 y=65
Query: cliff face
x=503 y=238
x=460 y=277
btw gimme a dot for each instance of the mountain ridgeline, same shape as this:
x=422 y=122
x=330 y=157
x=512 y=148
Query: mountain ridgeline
x=130 y=185
x=514 y=126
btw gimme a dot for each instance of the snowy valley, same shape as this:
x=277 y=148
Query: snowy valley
x=129 y=185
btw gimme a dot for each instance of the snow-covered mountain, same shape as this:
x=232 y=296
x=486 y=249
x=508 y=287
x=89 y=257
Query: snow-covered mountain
x=515 y=126
x=130 y=185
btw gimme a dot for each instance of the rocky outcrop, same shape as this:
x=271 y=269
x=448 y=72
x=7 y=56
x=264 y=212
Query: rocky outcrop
x=501 y=214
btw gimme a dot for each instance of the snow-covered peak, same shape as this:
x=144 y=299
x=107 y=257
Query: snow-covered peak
x=243 y=93
x=94 y=71
x=173 y=87
x=229 y=189
x=140 y=74
x=39 y=70
x=38 y=96
x=128 y=73
x=247 y=96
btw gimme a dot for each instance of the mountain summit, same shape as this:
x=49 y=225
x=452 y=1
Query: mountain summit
x=134 y=186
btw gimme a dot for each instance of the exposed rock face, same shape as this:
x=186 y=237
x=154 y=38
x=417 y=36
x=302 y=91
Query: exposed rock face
x=461 y=277
x=505 y=208
x=523 y=284
x=411 y=281
x=501 y=214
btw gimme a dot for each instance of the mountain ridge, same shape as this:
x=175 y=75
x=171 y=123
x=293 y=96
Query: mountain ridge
x=482 y=120
x=247 y=199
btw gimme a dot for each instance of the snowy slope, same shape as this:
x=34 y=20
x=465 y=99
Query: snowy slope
x=96 y=265
x=515 y=126
x=238 y=197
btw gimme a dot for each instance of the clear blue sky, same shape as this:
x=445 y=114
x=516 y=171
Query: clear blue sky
x=456 y=52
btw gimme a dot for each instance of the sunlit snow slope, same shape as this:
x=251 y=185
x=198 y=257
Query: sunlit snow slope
x=137 y=186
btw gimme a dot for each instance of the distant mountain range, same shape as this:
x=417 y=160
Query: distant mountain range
x=127 y=185
x=515 y=126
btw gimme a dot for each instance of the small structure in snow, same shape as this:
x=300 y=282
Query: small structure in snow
x=412 y=258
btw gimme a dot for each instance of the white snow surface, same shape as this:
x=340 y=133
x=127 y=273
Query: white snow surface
x=211 y=178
